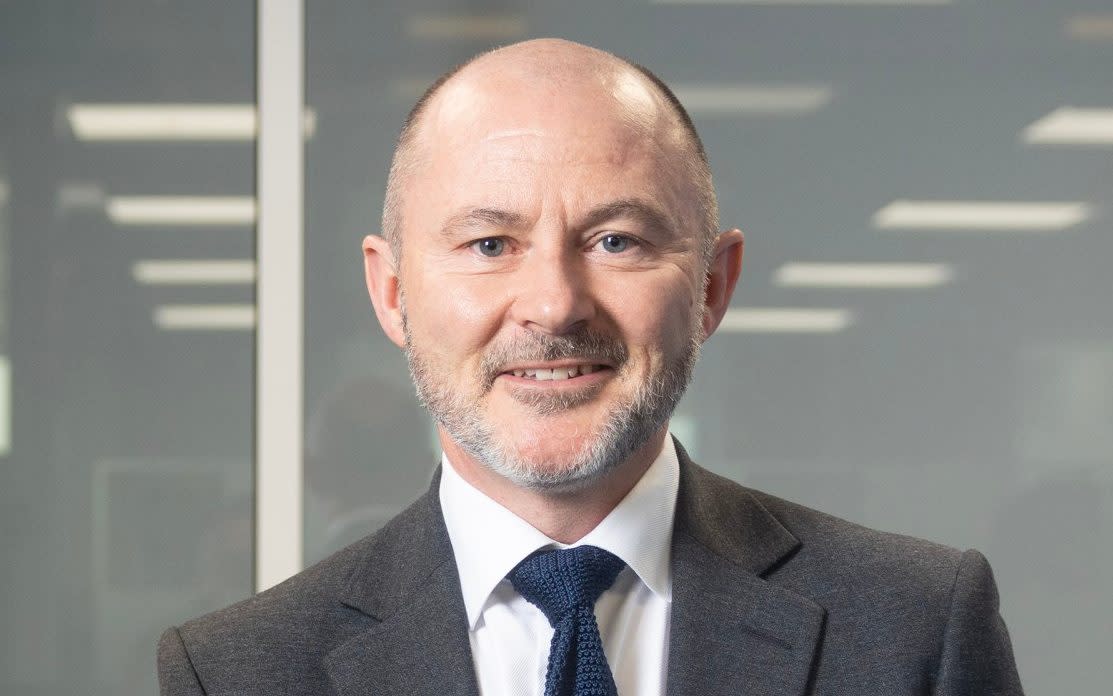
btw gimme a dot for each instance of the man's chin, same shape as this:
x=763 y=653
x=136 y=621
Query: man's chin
x=552 y=480
x=549 y=469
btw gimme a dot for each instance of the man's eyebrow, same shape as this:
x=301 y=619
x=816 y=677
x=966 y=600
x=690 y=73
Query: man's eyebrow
x=482 y=219
x=645 y=214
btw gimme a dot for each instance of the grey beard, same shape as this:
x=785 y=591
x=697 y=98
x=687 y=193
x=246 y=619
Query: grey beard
x=623 y=432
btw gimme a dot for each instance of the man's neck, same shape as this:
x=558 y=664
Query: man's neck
x=565 y=517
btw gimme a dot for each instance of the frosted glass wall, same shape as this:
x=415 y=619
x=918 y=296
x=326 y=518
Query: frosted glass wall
x=126 y=374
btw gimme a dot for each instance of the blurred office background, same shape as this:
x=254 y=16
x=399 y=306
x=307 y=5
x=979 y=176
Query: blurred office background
x=922 y=340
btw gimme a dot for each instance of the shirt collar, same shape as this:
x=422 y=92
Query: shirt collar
x=489 y=541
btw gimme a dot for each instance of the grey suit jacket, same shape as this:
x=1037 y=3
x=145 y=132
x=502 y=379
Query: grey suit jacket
x=768 y=598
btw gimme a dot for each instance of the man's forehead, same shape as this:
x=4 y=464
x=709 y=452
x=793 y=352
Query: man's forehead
x=488 y=127
x=563 y=144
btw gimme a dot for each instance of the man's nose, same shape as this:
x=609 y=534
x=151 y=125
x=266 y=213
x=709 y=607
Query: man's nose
x=553 y=294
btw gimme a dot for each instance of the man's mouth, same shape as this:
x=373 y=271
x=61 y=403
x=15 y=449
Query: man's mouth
x=556 y=373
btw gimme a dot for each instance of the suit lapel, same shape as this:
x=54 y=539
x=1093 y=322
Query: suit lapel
x=409 y=627
x=732 y=631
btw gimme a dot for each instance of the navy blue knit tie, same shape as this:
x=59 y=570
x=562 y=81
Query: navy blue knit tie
x=564 y=585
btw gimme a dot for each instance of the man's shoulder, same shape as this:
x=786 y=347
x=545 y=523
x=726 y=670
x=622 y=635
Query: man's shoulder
x=307 y=592
x=883 y=595
x=256 y=644
x=900 y=614
x=288 y=623
x=303 y=617
x=853 y=542
x=835 y=553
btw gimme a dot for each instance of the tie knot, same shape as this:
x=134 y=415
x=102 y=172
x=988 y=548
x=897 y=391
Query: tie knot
x=559 y=581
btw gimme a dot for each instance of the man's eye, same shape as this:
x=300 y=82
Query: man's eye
x=491 y=246
x=614 y=243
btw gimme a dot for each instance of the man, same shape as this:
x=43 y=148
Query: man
x=550 y=265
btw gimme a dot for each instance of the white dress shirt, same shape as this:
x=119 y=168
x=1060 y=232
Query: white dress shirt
x=510 y=637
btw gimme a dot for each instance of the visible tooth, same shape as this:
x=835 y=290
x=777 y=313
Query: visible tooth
x=560 y=374
x=543 y=375
x=587 y=369
x=519 y=373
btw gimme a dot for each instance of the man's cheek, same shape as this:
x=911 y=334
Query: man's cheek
x=467 y=309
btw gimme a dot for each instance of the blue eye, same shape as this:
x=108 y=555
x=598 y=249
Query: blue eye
x=615 y=243
x=491 y=246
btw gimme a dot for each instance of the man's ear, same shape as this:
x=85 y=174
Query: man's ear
x=722 y=276
x=381 y=272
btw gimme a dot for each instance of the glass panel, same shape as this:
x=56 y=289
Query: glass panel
x=968 y=402
x=125 y=401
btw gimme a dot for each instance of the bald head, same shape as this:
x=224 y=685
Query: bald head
x=570 y=80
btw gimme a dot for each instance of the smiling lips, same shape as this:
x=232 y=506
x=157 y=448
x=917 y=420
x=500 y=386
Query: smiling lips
x=555 y=374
